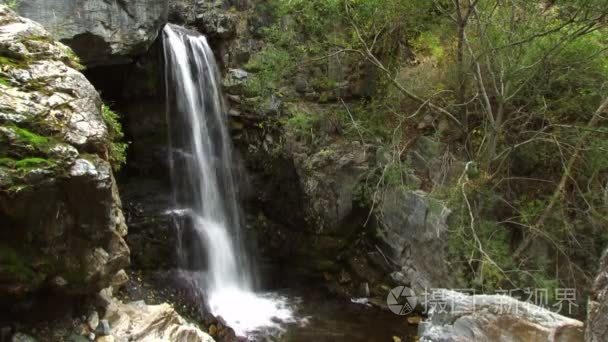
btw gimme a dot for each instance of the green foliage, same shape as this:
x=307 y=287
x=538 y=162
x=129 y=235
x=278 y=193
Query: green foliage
x=301 y=121
x=118 y=148
x=12 y=4
x=270 y=67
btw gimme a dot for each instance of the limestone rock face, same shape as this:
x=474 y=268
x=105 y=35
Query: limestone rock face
x=61 y=222
x=413 y=227
x=597 y=313
x=328 y=179
x=100 y=32
x=458 y=317
x=137 y=321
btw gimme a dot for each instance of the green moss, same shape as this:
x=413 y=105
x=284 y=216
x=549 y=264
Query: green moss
x=73 y=60
x=118 y=148
x=33 y=162
x=31 y=138
x=14 y=264
x=12 y=62
x=7 y=162
x=4 y=81
x=39 y=38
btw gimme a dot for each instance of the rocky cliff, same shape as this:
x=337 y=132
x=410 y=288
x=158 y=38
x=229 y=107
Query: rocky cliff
x=597 y=307
x=61 y=220
x=100 y=32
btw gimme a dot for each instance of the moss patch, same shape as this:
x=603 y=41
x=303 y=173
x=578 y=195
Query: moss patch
x=12 y=62
x=31 y=138
x=15 y=265
x=31 y=163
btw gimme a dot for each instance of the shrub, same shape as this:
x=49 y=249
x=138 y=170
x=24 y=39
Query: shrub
x=118 y=147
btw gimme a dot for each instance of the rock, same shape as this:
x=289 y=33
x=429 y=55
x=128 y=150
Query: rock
x=100 y=32
x=20 y=337
x=458 y=317
x=5 y=333
x=301 y=84
x=212 y=330
x=234 y=81
x=363 y=290
x=597 y=308
x=103 y=329
x=213 y=21
x=77 y=338
x=137 y=321
x=413 y=227
x=329 y=178
x=91 y=336
x=56 y=143
x=108 y=338
x=93 y=320
x=119 y=280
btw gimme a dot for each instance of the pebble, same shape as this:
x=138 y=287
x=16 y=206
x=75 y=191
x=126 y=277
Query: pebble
x=103 y=329
x=92 y=336
x=20 y=337
x=212 y=330
x=414 y=320
x=93 y=320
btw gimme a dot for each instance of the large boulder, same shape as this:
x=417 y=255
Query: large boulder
x=61 y=223
x=597 y=312
x=137 y=321
x=329 y=179
x=413 y=228
x=100 y=32
x=456 y=317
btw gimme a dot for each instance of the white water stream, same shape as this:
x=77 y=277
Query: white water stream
x=212 y=255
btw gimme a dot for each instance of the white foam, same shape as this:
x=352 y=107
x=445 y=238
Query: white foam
x=247 y=312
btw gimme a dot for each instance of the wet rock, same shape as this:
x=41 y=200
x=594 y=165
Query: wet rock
x=100 y=32
x=93 y=320
x=78 y=338
x=458 y=317
x=20 y=337
x=103 y=329
x=119 y=280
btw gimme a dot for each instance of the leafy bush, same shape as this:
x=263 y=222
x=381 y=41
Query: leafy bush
x=118 y=148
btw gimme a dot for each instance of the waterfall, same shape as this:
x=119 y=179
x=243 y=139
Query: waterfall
x=211 y=251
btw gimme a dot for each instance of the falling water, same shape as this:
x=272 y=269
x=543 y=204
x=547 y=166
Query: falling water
x=211 y=250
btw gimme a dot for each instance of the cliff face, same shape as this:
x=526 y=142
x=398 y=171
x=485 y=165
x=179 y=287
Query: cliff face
x=100 y=32
x=597 y=307
x=61 y=223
